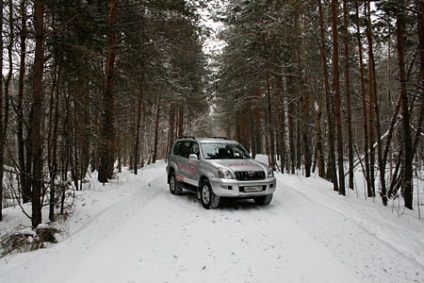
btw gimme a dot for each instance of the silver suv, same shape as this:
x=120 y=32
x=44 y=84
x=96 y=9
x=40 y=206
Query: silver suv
x=215 y=168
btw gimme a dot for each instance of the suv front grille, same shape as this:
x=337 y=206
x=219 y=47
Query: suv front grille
x=250 y=175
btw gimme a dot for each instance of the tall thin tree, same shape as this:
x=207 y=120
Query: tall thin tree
x=25 y=183
x=364 y=100
x=2 y=137
x=37 y=106
x=331 y=167
x=407 y=188
x=348 y=93
x=107 y=136
x=337 y=97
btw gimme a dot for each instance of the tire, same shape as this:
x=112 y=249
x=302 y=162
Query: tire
x=207 y=196
x=263 y=200
x=174 y=185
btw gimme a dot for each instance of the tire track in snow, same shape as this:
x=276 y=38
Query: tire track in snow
x=149 y=235
x=178 y=241
x=350 y=242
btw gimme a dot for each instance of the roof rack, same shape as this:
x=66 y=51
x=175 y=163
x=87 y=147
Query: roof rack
x=186 y=137
x=223 y=138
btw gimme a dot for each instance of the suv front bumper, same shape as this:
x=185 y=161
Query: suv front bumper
x=243 y=189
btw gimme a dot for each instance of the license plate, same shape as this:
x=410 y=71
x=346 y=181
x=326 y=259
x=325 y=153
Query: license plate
x=253 y=189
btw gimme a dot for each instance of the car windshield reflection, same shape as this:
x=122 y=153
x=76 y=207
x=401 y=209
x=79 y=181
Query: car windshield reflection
x=224 y=151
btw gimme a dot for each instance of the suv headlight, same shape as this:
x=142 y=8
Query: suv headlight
x=270 y=172
x=224 y=174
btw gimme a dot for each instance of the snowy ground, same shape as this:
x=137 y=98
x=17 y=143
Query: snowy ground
x=134 y=230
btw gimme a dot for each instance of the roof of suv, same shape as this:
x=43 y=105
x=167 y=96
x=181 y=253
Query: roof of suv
x=206 y=140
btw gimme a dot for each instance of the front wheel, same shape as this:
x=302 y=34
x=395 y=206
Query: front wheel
x=263 y=200
x=207 y=196
x=174 y=186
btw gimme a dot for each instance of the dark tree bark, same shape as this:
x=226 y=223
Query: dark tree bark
x=291 y=130
x=156 y=136
x=364 y=102
x=400 y=14
x=375 y=114
x=319 y=151
x=371 y=103
x=52 y=141
x=180 y=123
x=37 y=106
x=282 y=124
x=256 y=140
x=420 y=19
x=269 y=121
x=5 y=93
x=107 y=136
x=388 y=141
x=337 y=98
x=331 y=166
x=25 y=182
x=8 y=77
x=136 y=156
x=2 y=137
x=348 y=95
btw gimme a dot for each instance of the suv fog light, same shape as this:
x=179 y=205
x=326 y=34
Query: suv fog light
x=226 y=187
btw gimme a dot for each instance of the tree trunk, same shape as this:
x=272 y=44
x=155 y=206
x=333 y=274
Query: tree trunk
x=320 y=159
x=107 y=136
x=52 y=140
x=337 y=98
x=347 y=94
x=375 y=112
x=2 y=137
x=282 y=124
x=156 y=136
x=394 y=121
x=420 y=6
x=407 y=187
x=291 y=129
x=137 y=131
x=180 y=121
x=75 y=131
x=66 y=150
x=331 y=170
x=372 y=101
x=269 y=127
x=364 y=103
x=308 y=153
x=257 y=142
x=25 y=183
x=8 y=78
x=4 y=117
x=37 y=106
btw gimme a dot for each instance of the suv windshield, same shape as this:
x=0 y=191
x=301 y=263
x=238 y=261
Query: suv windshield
x=224 y=151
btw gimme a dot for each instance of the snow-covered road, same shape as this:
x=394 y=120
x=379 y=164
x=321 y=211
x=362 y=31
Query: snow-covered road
x=134 y=230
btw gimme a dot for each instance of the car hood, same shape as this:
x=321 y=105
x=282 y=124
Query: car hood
x=240 y=164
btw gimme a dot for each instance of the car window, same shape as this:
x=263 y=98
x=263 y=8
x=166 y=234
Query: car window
x=177 y=148
x=224 y=151
x=194 y=148
x=183 y=149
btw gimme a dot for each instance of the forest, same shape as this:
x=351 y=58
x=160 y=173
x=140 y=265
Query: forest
x=326 y=87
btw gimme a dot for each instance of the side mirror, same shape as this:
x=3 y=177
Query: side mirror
x=193 y=157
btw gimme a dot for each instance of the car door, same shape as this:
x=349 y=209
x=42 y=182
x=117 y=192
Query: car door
x=192 y=168
x=181 y=154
